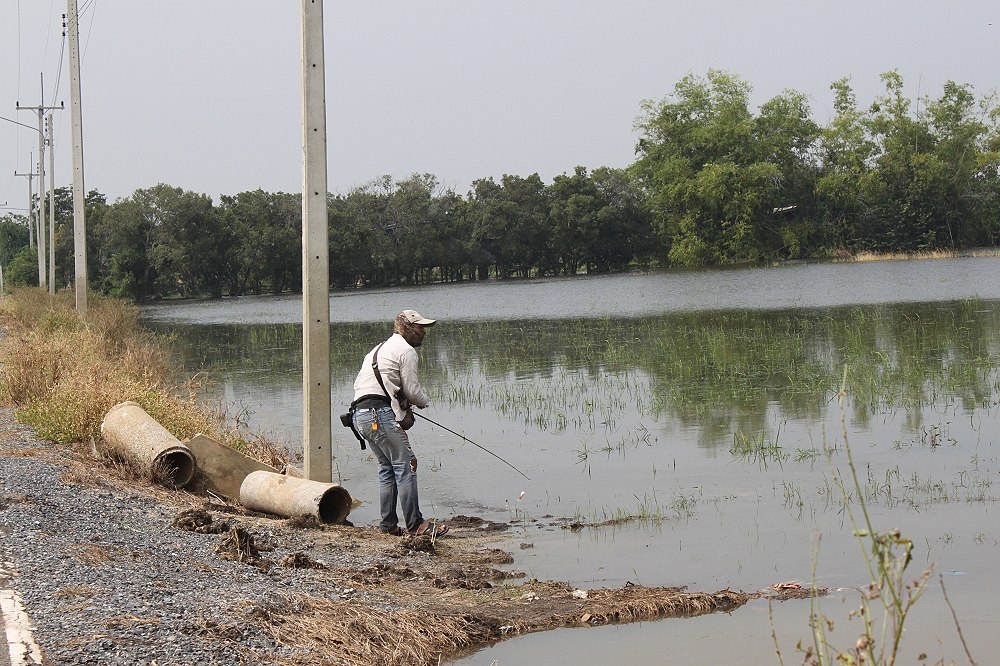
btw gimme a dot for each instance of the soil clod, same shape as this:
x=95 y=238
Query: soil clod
x=305 y=522
x=300 y=561
x=238 y=546
x=200 y=521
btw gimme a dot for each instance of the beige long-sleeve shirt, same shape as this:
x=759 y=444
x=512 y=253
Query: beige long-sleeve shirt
x=397 y=361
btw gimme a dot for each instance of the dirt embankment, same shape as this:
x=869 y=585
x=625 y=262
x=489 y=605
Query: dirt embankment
x=240 y=587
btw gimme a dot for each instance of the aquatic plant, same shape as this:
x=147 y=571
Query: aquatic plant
x=889 y=597
x=757 y=448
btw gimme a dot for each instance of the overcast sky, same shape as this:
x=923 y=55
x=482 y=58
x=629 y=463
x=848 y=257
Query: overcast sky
x=205 y=94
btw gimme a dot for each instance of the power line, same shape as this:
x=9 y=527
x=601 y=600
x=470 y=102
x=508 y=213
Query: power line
x=83 y=10
x=18 y=48
x=83 y=54
x=48 y=33
x=62 y=50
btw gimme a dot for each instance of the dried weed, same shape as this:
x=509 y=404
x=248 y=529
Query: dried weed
x=70 y=591
x=93 y=554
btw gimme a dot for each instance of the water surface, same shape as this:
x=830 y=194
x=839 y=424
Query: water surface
x=808 y=285
x=697 y=413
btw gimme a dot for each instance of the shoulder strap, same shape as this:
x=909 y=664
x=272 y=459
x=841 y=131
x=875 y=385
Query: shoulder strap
x=378 y=373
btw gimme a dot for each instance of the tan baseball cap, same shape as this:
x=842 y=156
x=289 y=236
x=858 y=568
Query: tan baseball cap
x=415 y=317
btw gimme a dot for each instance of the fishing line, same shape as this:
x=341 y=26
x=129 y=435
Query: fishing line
x=474 y=444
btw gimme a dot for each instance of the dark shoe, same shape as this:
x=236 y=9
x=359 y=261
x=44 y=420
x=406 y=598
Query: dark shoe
x=394 y=531
x=432 y=529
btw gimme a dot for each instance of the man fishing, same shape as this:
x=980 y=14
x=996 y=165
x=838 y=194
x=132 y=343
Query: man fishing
x=385 y=391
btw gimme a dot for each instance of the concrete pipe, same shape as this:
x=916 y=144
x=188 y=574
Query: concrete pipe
x=128 y=430
x=292 y=497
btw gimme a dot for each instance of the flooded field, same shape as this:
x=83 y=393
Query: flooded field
x=688 y=425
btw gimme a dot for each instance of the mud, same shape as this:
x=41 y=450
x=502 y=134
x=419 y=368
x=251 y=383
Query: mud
x=453 y=582
x=381 y=599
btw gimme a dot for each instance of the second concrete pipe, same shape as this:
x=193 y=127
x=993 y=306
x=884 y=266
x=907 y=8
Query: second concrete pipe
x=292 y=497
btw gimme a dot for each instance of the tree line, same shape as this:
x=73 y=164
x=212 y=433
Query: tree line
x=714 y=182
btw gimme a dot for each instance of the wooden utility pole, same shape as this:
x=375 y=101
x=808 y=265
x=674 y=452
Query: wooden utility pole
x=79 y=192
x=317 y=443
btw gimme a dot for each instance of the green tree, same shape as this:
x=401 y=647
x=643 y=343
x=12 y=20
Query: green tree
x=904 y=215
x=624 y=229
x=511 y=224
x=162 y=241
x=94 y=204
x=125 y=238
x=574 y=204
x=786 y=138
x=191 y=243
x=846 y=189
x=264 y=234
x=359 y=240
x=461 y=224
x=23 y=268
x=13 y=237
x=962 y=129
x=457 y=254
x=409 y=218
x=715 y=173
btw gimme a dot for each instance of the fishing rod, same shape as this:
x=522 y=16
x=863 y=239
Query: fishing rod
x=474 y=444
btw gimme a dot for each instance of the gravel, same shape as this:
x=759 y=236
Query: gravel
x=106 y=579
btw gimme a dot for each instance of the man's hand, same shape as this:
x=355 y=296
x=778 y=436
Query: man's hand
x=413 y=464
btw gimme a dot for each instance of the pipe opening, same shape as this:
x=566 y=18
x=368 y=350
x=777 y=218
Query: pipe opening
x=178 y=467
x=334 y=505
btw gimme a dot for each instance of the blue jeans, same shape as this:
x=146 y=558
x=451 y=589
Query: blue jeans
x=391 y=447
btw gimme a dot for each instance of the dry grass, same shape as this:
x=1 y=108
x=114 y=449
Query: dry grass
x=127 y=467
x=80 y=475
x=927 y=254
x=330 y=631
x=93 y=555
x=72 y=591
x=63 y=373
x=238 y=546
x=300 y=561
x=325 y=632
x=636 y=603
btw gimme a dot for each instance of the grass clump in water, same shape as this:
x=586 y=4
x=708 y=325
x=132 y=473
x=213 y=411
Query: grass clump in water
x=63 y=372
x=757 y=448
x=889 y=598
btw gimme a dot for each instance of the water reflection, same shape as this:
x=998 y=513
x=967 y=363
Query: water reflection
x=717 y=372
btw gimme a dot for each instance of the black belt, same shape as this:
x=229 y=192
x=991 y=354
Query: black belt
x=373 y=401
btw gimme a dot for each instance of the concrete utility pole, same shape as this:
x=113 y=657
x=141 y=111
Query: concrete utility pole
x=31 y=206
x=52 y=210
x=79 y=193
x=317 y=443
x=41 y=109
